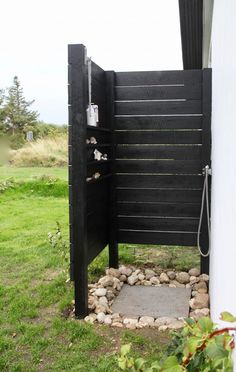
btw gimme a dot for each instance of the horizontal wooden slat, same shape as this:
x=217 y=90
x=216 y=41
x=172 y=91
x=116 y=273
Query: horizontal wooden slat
x=159 y=166
x=158 y=209
x=133 y=78
x=168 y=181
x=158 y=122
x=156 y=195
x=158 y=137
x=157 y=238
x=158 y=224
x=158 y=107
x=179 y=152
x=159 y=92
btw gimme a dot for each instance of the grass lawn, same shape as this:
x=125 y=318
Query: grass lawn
x=34 y=335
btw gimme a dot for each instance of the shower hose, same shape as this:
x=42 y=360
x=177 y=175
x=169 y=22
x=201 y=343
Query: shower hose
x=205 y=194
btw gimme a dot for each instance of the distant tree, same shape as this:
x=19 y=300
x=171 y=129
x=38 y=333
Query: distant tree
x=2 y=111
x=17 y=114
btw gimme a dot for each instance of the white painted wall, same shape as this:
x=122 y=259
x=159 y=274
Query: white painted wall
x=223 y=247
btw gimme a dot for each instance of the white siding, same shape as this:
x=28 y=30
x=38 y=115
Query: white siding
x=223 y=251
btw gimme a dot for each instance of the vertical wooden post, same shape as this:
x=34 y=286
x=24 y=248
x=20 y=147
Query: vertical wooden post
x=77 y=174
x=113 y=245
x=206 y=158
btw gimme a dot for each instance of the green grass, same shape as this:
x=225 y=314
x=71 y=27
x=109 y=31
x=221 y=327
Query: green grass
x=34 y=335
x=27 y=173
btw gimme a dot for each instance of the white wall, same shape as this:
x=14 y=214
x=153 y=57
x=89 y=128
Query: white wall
x=223 y=250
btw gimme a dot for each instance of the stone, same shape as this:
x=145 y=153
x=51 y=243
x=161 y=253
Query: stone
x=114 y=272
x=194 y=293
x=162 y=328
x=171 y=285
x=90 y=318
x=130 y=326
x=164 y=278
x=149 y=273
x=117 y=325
x=193 y=280
x=123 y=278
x=149 y=320
x=154 y=280
x=199 y=313
x=100 y=292
x=101 y=309
x=125 y=270
x=106 y=281
x=200 y=301
x=116 y=284
x=164 y=320
x=115 y=316
x=183 y=277
x=177 y=284
x=141 y=276
x=92 y=303
x=171 y=275
x=103 y=301
x=136 y=272
x=132 y=279
x=177 y=324
x=199 y=285
x=101 y=317
x=108 y=320
x=202 y=290
x=204 y=277
x=188 y=286
x=194 y=272
x=110 y=295
x=147 y=283
x=130 y=321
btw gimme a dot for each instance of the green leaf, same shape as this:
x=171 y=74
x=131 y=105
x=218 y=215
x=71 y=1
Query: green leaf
x=171 y=364
x=125 y=349
x=227 y=317
x=192 y=344
x=189 y=321
x=215 y=351
x=139 y=363
x=122 y=363
x=205 y=324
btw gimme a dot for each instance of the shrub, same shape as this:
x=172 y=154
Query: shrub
x=46 y=152
x=200 y=346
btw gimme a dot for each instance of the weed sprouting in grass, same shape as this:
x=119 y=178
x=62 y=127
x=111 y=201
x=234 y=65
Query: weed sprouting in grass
x=6 y=185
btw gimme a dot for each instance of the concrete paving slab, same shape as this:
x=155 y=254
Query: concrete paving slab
x=136 y=301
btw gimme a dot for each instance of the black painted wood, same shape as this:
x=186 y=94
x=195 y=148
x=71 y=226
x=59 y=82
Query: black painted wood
x=113 y=242
x=167 y=181
x=78 y=205
x=158 y=122
x=206 y=158
x=159 y=92
x=158 y=209
x=158 y=224
x=134 y=78
x=158 y=195
x=157 y=238
x=158 y=107
x=158 y=137
x=158 y=166
x=180 y=152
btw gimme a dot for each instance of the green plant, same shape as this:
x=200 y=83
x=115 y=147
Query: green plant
x=7 y=184
x=200 y=346
x=57 y=241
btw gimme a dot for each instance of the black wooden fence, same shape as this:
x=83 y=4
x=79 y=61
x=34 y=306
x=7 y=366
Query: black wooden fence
x=156 y=129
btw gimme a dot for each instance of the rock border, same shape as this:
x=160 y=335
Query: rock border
x=103 y=293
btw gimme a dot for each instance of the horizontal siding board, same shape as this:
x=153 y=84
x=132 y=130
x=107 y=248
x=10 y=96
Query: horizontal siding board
x=158 y=107
x=167 y=181
x=158 y=224
x=159 y=166
x=190 y=77
x=158 y=137
x=157 y=238
x=156 y=195
x=159 y=92
x=158 y=152
x=166 y=122
x=158 y=209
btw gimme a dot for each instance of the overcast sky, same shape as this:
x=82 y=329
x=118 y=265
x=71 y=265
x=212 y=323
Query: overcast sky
x=122 y=35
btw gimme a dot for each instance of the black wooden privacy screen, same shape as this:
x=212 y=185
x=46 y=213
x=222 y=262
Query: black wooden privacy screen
x=155 y=128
